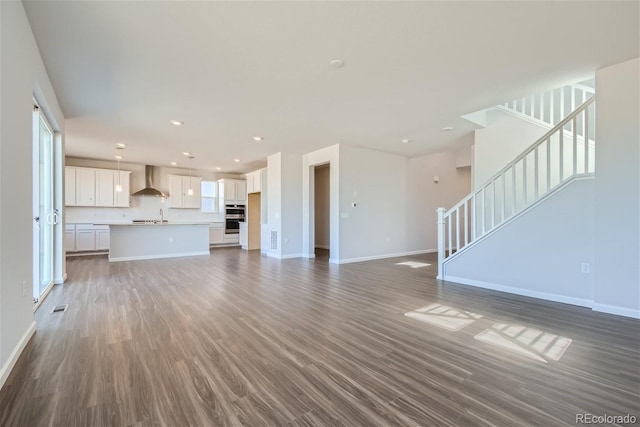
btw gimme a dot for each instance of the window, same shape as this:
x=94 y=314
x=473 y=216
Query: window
x=209 y=194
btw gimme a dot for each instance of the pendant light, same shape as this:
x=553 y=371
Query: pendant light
x=190 y=189
x=118 y=157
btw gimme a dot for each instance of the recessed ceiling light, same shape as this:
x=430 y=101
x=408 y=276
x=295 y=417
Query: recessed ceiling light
x=406 y=141
x=176 y=122
x=121 y=144
x=218 y=168
x=119 y=157
x=257 y=138
x=337 y=63
x=447 y=128
x=186 y=153
x=236 y=160
x=174 y=164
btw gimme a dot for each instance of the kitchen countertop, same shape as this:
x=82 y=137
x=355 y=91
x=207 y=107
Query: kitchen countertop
x=158 y=223
x=132 y=223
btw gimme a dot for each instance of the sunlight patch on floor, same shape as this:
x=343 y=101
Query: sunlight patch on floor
x=533 y=343
x=443 y=316
x=413 y=264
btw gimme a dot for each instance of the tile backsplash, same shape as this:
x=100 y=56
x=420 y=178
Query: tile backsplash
x=140 y=208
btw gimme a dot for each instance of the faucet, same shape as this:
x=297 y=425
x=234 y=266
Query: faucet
x=161 y=215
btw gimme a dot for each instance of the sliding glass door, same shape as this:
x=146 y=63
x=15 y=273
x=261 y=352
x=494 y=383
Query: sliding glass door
x=45 y=215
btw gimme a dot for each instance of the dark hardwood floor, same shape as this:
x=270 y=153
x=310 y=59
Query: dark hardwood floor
x=240 y=339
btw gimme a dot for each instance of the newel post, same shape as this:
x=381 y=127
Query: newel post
x=441 y=212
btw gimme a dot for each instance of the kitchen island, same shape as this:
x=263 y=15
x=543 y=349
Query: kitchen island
x=130 y=242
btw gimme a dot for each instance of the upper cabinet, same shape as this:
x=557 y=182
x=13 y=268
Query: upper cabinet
x=69 y=186
x=179 y=194
x=254 y=181
x=234 y=191
x=96 y=187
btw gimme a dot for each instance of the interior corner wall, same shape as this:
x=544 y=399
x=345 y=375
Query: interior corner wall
x=376 y=183
x=22 y=76
x=617 y=218
x=504 y=138
x=426 y=196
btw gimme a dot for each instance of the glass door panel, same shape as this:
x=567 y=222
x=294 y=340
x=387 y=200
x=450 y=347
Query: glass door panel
x=46 y=216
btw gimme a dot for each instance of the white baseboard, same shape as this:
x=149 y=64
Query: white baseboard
x=272 y=255
x=15 y=354
x=308 y=255
x=620 y=311
x=383 y=256
x=143 y=257
x=582 y=302
x=61 y=280
x=43 y=296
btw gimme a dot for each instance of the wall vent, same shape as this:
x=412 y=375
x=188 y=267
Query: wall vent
x=274 y=240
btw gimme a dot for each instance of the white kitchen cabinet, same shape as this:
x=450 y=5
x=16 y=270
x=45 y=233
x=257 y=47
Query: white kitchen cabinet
x=216 y=234
x=235 y=191
x=85 y=187
x=122 y=198
x=70 y=237
x=179 y=196
x=102 y=238
x=70 y=186
x=243 y=236
x=85 y=237
x=96 y=187
x=105 y=187
x=241 y=191
x=231 y=239
x=229 y=190
x=254 y=181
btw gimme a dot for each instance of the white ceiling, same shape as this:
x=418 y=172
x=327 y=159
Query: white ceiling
x=232 y=70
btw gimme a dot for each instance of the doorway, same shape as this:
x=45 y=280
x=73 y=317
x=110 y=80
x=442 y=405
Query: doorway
x=45 y=215
x=254 y=220
x=322 y=223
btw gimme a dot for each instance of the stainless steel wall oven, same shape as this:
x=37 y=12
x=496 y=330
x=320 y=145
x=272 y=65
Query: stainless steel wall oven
x=233 y=216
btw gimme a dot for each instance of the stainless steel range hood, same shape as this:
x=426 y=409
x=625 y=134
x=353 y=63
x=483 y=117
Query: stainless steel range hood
x=149 y=189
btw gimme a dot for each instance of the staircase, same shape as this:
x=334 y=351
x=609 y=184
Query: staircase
x=564 y=153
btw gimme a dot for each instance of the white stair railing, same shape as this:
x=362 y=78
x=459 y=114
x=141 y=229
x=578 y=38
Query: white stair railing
x=549 y=107
x=557 y=156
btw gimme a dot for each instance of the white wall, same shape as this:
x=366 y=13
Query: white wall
x=284 y=198
x=291 y=236
x=425 y=196
x=322 y=205
x=143 y=207
x=539 y=253
x=504 y=138
x=22 y=76
x=617 y=217
x=377 y=183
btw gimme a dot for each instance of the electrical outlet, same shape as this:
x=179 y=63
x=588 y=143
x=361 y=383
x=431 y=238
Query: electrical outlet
x=24 y=288
x=286 y=240
x=585 y=268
